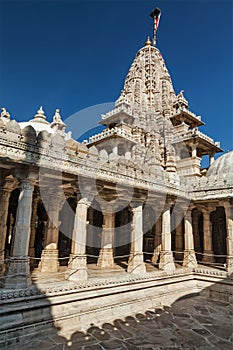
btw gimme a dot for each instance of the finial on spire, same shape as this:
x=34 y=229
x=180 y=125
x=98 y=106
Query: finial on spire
x=148 y=42
x=40 y=115
x=155 y=14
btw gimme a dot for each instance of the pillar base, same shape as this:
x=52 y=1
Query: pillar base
x=105 y=258
x=229 y=264
x=31 y=253
x=189 y=259
x=166 y=262
x=136 y=263
x=209 y=257
x=18 y=273
x=2 y=264
x=49 y=261
x=155 y=257
x=77 y=268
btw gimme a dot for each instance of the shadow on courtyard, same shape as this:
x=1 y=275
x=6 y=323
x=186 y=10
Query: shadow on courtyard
x=196 y=321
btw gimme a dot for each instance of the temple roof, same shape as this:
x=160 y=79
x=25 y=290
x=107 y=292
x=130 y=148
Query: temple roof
x=222 y=166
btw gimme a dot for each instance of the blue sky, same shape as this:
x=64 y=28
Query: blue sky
x=75 y=54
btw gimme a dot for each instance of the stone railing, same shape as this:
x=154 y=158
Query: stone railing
x=110 y=132
x=117 y=110
x=203 y=136
x=183 y=109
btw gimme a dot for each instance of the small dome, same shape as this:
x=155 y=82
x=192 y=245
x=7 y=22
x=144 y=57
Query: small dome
x=39 y=123
x=222 y=166
x=37 y=126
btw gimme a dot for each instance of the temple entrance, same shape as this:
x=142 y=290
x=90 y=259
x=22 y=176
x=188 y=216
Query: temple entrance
x=219 y=233
x=122 y=236
x=94 y=229
x=148 y=232
x=66 y=217
x=13 y=204
x=198 y=233
x=40 y=227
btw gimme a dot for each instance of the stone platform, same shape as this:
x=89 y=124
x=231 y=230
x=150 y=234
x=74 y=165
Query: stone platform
x=62 y=314
x=192 y=323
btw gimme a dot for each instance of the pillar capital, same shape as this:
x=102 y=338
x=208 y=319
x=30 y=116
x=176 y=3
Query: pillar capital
x=136 y=206
x=228 y=205
x=85 y=201
x=27 y=184
x=9 y=183
x=26 y=174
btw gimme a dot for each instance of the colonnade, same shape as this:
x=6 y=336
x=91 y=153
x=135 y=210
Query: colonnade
x=17 y=273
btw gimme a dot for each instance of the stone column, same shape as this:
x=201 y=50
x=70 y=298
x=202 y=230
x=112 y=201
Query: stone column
x=4 y=195
x=18 y=270
x=49 y=258
x=166 y=262
x=229 y=243
x=158 y=241
x=77 y=266
x=106 y=252
x=179 y=237
x=194 y=149
x=207 y=237
x=136 y=261
x=5 y=192
x=33 y=229
x=189 y=253
x=211 y=158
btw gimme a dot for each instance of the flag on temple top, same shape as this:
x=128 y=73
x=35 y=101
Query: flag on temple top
x=157 y=18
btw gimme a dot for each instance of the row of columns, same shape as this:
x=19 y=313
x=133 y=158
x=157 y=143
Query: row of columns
x=18 y=274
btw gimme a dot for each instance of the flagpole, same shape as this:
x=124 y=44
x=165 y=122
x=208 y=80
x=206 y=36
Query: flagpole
x=155 y=14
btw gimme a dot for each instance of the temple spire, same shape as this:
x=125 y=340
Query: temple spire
x=155 y=14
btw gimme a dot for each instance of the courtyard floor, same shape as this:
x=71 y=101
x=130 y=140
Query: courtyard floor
x=190 y=323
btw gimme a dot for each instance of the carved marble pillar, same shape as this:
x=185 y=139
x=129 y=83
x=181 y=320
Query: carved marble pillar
x=194 y=150
x=166 y=262
x=18 y=269
x=4 y=195
x=179 y=237
x=189 y=253
x=207 y=237
x=77 y=267
x=211 y=158
x=106 y=252
x=5 y=192
x=158 y=241
x=136 y=260
x=35 y=201
x=49 y=257
x=229 y=243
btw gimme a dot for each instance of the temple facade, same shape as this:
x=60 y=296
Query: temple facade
x=133 y=199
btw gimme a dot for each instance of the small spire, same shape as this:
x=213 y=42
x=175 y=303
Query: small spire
x=4 y=113
x=57 y=123
x=148 y=42
x=57 y=116
x=40 y=114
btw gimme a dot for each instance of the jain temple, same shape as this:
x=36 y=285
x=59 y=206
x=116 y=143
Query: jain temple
x=125 y=221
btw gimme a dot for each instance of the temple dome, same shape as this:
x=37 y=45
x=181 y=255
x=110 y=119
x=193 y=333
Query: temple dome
x=37 y=126
x=39 y=123
x=222 y=166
